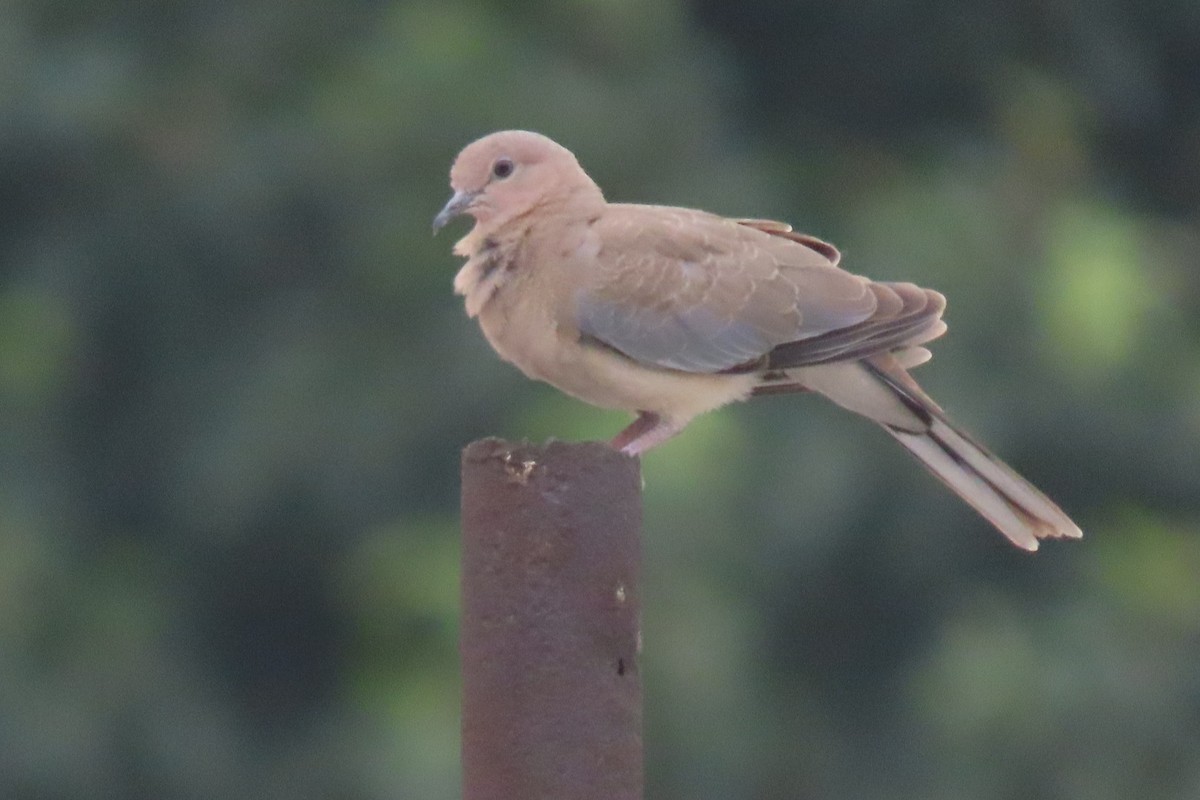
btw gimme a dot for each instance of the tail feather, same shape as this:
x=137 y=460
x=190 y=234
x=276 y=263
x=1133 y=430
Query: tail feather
x=987 y=484
x=882 y=390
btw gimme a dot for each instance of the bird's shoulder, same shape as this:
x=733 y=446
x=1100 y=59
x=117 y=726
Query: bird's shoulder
x=703 y=238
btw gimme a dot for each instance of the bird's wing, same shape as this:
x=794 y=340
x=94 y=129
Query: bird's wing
x=695 y=292
x=905 y=316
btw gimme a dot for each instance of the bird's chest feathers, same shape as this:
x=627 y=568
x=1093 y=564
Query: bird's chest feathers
x=490 y=264
x=516 y=292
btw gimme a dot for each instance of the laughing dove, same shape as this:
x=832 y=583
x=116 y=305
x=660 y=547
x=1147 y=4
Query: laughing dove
x=672 y=312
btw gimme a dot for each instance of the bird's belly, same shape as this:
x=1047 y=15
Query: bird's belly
x=529 y=339
x=528 y=336
x=610 y=380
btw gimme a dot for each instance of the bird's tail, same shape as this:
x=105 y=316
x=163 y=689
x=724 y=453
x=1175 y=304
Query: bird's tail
x=884 y=392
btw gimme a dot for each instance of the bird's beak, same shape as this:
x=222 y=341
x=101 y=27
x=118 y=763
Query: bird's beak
x=457 y=206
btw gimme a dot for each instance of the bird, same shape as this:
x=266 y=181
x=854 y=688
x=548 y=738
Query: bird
x=669 y=313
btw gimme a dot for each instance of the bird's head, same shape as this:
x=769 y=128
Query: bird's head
x=507 y=174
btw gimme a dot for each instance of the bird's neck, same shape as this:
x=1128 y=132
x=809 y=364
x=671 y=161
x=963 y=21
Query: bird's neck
x=493 y=248
x=491 y=253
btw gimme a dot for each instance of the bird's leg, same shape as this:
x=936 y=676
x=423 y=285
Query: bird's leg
x=648 y=430
x=645 y=421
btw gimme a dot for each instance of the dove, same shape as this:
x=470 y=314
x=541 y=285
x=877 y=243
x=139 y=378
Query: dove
x=669 y=313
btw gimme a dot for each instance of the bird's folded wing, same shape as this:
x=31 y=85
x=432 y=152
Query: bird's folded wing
x=906 y=316
x=691 y=291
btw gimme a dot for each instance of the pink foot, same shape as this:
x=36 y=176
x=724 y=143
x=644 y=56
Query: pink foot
x=644 y=422
x=645 y=432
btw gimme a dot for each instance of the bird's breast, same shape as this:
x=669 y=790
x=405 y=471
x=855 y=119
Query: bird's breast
x=535 y=338
x=525 y=305
x=484 y=273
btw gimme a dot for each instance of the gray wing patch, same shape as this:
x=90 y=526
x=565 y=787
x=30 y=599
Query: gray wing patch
x=690 y=340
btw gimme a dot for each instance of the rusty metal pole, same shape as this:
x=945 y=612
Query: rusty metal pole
x=552 y=694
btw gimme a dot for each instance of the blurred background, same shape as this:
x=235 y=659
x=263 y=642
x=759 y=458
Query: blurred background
x=234 y=385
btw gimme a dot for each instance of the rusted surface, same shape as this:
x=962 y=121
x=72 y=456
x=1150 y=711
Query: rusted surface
x=552 y=696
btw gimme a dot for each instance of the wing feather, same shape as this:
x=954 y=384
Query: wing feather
x=907 y=316
x=695 y=292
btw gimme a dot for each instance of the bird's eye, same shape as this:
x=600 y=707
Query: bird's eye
x=502 y=168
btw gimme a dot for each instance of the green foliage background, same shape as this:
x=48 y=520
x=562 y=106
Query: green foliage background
x=234 y=384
